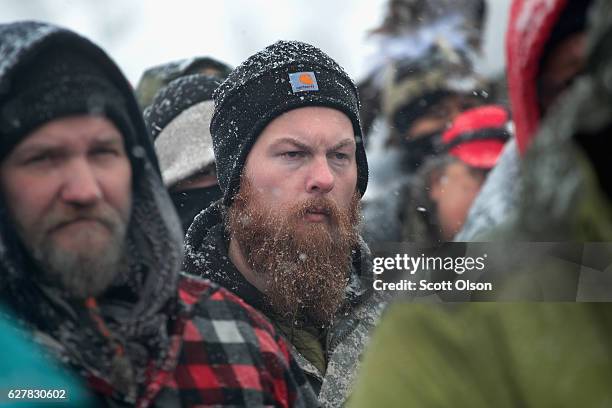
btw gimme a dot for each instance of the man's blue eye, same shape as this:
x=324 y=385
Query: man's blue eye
x=39 y=158
x=294 y=154
x=341 y=156
x=102 y=152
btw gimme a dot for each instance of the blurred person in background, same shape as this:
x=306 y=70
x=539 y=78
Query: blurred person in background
x=525 y=354
x=155 y=78
x=408 y=30
x=422 y=97
x=446 y=185
x=545 y=46
x=179 y=122
x=444 y=188
x=565 y=191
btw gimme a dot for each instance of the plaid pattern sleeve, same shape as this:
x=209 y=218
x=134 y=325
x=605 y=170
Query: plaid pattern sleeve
x=231 y=355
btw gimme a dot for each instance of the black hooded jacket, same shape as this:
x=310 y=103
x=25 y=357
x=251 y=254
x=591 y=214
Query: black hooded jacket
x=142 y=299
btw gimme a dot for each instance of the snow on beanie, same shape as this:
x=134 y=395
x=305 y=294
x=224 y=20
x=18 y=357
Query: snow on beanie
x=284 y=76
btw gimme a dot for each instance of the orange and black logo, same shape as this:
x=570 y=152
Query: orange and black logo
x=303 y=81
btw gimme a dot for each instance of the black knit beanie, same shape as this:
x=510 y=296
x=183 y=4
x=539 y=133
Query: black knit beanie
x=284 y=76
x=55 y=83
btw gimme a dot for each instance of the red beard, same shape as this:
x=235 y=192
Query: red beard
x=305 y=265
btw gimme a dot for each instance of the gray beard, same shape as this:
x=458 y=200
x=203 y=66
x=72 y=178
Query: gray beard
x=82 y=275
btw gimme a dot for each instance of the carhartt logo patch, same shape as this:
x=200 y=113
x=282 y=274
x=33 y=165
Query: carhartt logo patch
x=303 y=81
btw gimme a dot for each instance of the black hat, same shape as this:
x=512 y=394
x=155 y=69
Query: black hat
x=284 y=76
x=59 y=82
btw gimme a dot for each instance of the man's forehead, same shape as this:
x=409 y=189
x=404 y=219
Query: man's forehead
x=313 y=115
x=311 y=125
x=71 y=130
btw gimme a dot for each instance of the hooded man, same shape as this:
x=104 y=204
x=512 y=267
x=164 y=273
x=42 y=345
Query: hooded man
x=545 y=46
x=545 y=52
x=90 y=247
x=179 y=122
x=446 y=185
x=292 y=167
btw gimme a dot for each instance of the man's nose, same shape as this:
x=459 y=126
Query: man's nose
x=81 y=186
x=321 y=178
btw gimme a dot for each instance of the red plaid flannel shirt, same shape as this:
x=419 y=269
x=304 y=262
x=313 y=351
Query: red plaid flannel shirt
x=223 y=352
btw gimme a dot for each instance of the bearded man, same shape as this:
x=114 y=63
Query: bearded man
x=90 y=247
x=292 y=167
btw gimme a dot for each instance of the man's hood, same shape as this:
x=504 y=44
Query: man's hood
x=22 y=41
x=530 y=26
x=154 y=243
x=530 y=34
x=565 y=192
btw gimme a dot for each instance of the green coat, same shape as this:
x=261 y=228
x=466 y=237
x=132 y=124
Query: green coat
x=489 y=355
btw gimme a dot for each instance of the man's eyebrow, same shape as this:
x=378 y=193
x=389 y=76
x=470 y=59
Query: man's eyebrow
x=56 y=148
x=294 y=142
x=107 y=140
x=40 y=147
x=343 y=143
